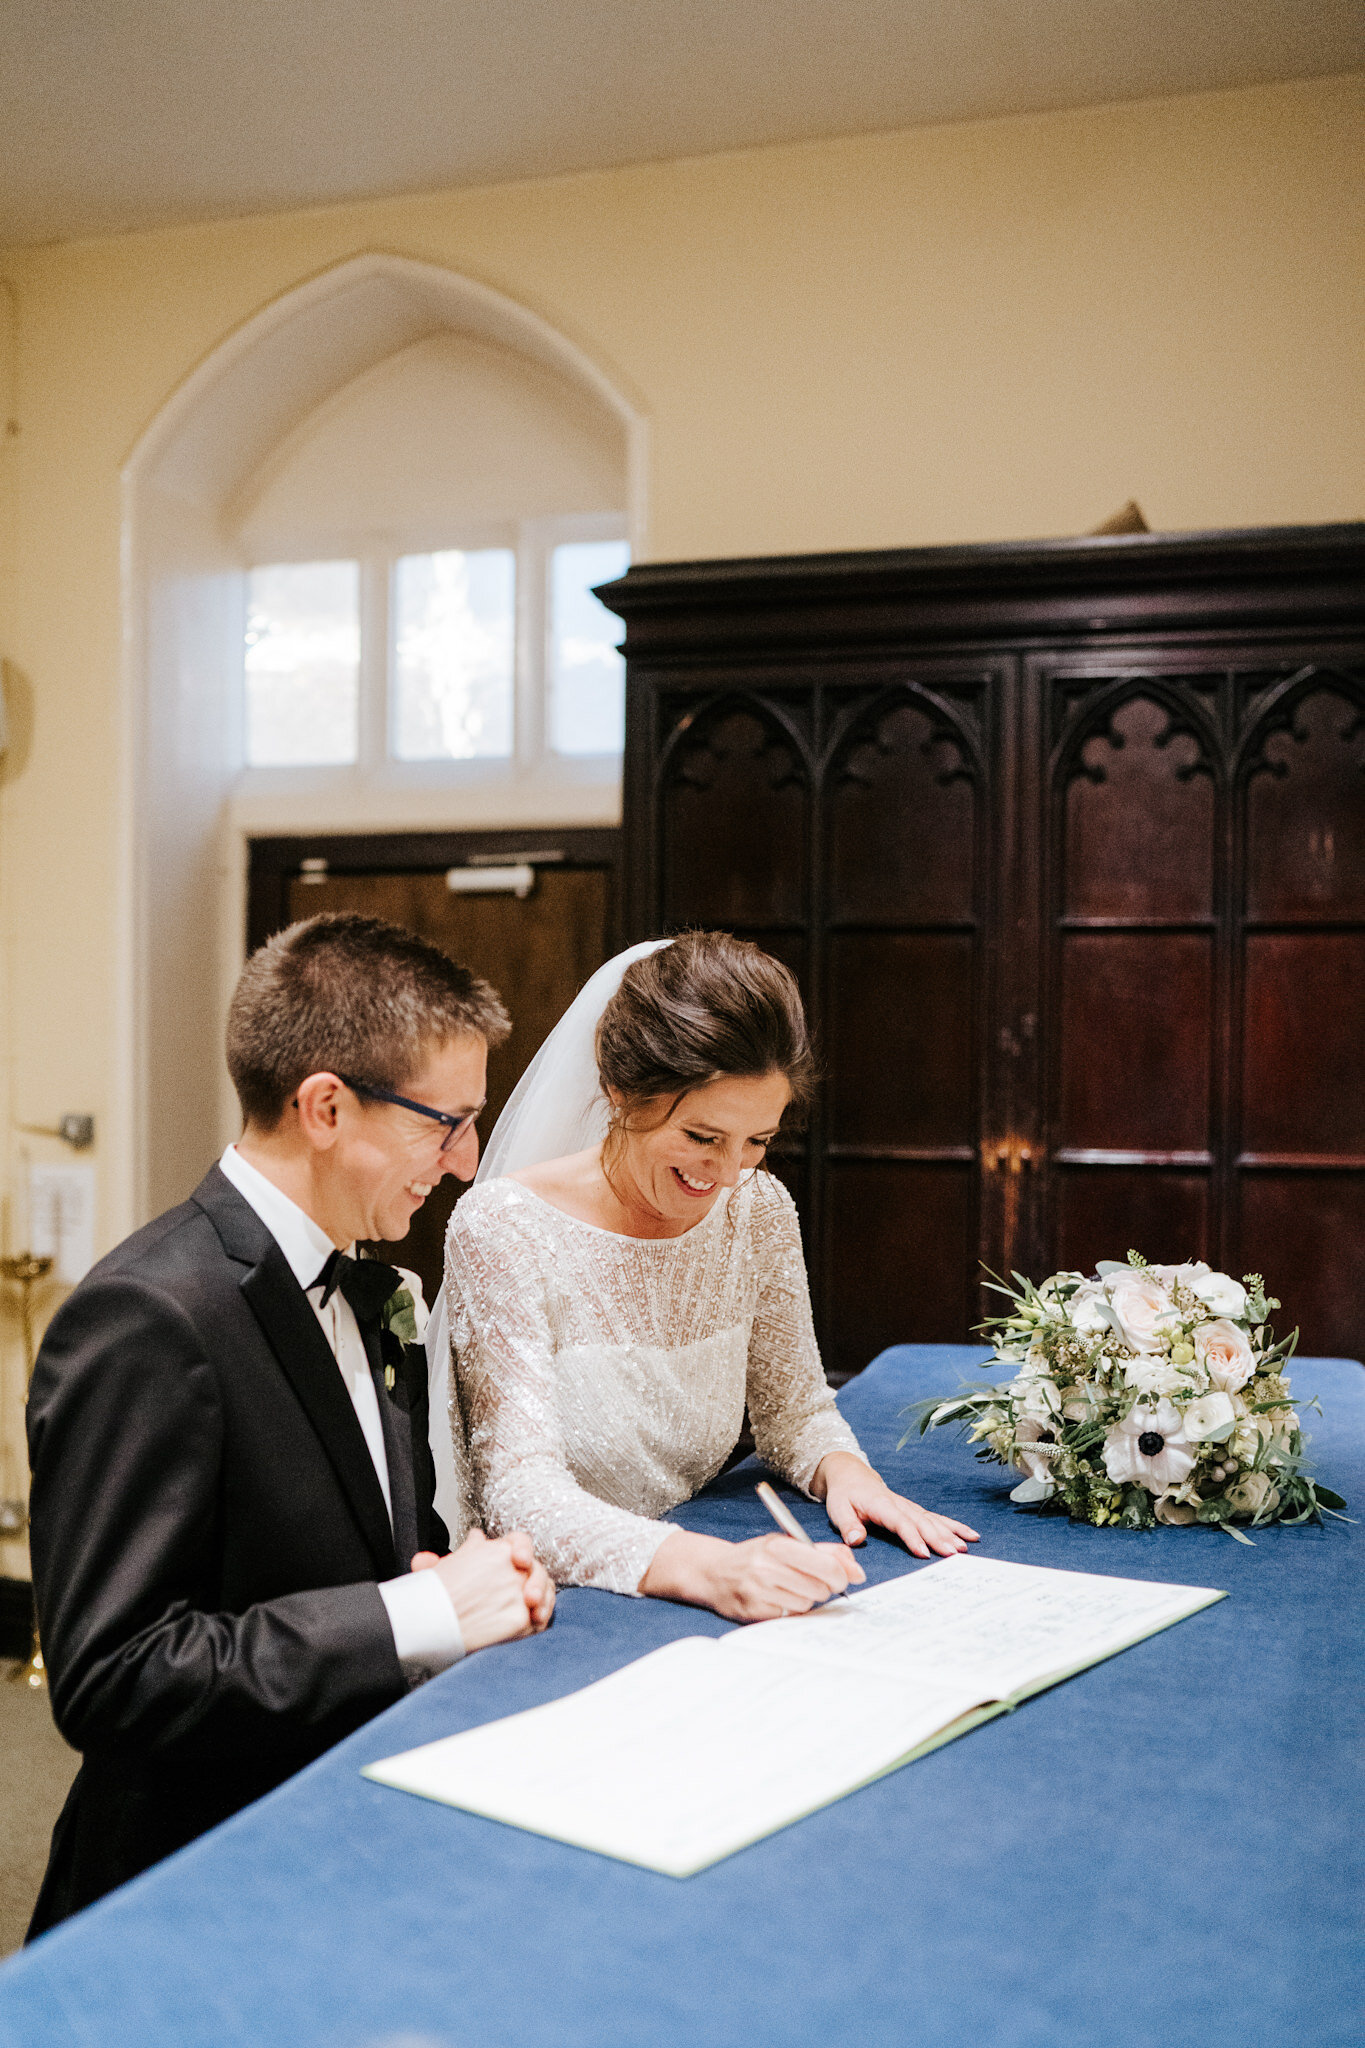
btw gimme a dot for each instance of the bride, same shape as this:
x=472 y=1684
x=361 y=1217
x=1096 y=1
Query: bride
x=624 y=1276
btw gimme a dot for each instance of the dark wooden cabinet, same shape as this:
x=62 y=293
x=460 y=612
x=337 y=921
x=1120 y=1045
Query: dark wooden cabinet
x=1066 y=844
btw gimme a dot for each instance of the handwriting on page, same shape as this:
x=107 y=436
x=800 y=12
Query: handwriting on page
x=975 y=1622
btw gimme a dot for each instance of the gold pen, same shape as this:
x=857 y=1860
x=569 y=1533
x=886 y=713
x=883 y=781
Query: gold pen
x=787 y=1522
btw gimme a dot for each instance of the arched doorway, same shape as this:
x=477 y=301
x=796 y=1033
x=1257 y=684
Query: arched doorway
x=183 y=607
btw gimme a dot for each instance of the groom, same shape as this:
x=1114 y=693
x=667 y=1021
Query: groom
x=236 y=1559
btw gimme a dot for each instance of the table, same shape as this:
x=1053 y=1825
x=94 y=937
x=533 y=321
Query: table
x=1164 y=1850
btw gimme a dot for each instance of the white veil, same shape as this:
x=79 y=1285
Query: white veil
x=556 y=1108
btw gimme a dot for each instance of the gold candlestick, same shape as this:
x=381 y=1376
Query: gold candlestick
x=24 y=1270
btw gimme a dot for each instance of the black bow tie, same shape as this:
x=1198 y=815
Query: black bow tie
x=365 y=1283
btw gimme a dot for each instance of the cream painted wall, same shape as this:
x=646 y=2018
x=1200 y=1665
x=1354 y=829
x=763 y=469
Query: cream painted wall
x=953 y=334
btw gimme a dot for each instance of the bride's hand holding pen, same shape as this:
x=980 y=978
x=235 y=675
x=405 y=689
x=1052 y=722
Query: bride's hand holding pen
x=761 y=1580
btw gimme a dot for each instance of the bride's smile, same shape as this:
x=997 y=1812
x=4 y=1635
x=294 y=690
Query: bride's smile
x=676 y=1157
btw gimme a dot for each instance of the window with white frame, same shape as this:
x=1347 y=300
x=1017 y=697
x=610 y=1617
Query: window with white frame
x=491 y=652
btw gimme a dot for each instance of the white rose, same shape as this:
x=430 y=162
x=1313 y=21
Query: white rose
x=1220 y=1292
x=1245 y=1440
x=1153 y=1373
x=1253 y=1494
x=1082 y=1400
x=1181 y=1276
x=1143 y=1307
x=1040 y=1399
x=1275 y=1429
x=1225 y=1354
x=1089 y=1311
x=1212 y=1416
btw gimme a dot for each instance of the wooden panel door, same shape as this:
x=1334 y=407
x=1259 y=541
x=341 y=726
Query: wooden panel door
x=1296 y=1197
x=536 y=952
x=1133 y=996
x=1202 y=970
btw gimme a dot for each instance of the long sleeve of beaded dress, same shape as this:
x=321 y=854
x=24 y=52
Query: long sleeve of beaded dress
x=600 y=1380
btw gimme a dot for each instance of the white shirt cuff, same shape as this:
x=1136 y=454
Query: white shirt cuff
x=426 y=1628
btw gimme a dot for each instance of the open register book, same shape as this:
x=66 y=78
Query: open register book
x=712 y=1742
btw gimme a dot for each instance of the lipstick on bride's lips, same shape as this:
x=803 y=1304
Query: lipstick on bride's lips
x=698 y=1194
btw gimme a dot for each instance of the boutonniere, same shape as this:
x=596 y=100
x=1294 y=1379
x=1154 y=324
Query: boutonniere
x=404 y=1316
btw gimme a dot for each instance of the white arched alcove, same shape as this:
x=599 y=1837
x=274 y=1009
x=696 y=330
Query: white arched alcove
x=185 y=487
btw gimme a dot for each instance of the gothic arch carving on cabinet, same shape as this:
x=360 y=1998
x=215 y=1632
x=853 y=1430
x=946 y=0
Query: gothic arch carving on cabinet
x=734 y=780
x=901 y=782
x=1301 y=790
x=1137 y=775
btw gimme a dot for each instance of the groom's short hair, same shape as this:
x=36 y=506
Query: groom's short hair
x=351 y=995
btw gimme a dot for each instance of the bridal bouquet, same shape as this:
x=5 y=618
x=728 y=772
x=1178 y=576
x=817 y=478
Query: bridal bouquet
x=1147 y=1394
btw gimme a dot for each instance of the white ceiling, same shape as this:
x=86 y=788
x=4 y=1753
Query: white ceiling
x=134 y=113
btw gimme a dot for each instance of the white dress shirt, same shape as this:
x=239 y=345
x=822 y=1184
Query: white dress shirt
x=426 y=1628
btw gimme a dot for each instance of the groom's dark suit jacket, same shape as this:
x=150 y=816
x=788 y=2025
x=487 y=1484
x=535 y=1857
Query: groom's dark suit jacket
x=208 y=1535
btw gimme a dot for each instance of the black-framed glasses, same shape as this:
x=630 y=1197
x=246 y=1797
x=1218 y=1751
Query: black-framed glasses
x=454 y=1125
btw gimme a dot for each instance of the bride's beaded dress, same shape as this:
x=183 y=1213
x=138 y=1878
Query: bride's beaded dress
x=600 y=1379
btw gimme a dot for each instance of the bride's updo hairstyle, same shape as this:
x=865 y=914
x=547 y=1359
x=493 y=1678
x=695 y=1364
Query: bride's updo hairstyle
x=708 y=1007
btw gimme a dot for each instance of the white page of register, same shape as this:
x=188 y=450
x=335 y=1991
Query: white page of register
x=977 y=1623
x=709 y=1744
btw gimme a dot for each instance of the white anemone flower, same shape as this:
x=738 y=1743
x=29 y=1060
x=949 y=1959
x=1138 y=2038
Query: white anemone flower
x=1149 y=1448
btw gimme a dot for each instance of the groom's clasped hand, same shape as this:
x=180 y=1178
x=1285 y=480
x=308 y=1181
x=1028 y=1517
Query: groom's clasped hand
x=495 y=1604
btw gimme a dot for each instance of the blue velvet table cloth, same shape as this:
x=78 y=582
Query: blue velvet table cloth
x=1163 y=1850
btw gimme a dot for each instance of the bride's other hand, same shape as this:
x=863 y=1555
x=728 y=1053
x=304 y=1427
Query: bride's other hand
x=854 y=1495
x=761 y=1580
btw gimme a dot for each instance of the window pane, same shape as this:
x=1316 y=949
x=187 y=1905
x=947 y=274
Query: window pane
x=456 y=644
x=587 y=675
x=302 y=664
